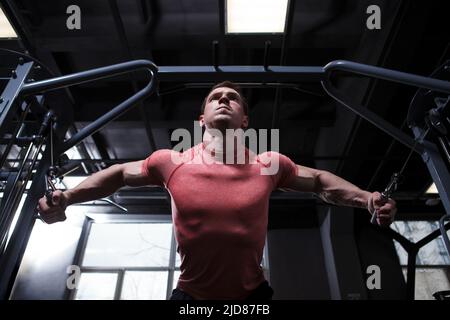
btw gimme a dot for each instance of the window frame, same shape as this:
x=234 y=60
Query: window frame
x=418 y=264
x=91 y=218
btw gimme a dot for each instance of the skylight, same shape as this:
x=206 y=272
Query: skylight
x=255 y=16
x=432 y=189
x=6 y=30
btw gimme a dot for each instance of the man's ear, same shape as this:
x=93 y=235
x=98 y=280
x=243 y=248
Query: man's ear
x=201 y=119
x=244 y=124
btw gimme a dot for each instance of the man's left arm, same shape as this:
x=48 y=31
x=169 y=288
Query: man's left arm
x=335 y=190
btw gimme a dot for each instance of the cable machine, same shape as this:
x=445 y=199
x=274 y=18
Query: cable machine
x=35 y=150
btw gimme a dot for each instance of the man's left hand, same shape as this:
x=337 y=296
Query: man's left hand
x=385 y=210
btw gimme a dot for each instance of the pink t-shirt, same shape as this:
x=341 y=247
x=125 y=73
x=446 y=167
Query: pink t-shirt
x=220 y=213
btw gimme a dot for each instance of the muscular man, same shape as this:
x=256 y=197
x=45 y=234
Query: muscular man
x=219 y=208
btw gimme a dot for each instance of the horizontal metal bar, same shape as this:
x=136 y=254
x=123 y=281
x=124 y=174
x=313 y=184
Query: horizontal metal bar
x=388 y=74
x=126 y=268
x=240 y=73
x=245 y=74
x=429 y=266
x=259 y=85
x=88 y=76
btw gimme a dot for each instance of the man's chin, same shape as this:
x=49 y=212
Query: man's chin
x=222 y=122
x=222 y=118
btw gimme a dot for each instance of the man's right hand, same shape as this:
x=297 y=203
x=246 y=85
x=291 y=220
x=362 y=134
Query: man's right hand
x=54 y=211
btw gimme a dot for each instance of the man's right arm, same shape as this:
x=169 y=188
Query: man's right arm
x=105 y=182
x=99 y=185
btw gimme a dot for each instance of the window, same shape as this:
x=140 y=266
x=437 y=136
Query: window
x=129 y=261
x=432 y=261
x=433 y=254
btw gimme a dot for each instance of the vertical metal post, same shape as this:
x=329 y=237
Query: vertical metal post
x=441 y=177
x=215 y=54
x=411 y=273
x=12 y=256
x=9 y=264
x=7 y=191
x=172 y=260
x=10 y=93
x=437 y=168
x=266 y=54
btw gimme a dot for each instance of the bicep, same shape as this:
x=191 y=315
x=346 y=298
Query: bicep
x=132 y=174
x=306 y=180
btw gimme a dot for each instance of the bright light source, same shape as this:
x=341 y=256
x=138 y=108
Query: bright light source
x=6 y=30
x=255 y=16
x=432 y=189
x=73 y=153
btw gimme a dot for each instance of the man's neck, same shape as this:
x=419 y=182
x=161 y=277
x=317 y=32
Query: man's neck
x=223 y=146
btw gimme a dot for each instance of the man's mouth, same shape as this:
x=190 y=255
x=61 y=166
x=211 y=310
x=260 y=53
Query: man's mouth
x=223 y=107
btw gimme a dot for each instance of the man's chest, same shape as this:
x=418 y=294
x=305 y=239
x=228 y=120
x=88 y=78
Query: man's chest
x=219 y=188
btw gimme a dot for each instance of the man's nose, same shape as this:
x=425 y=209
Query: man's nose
x=224 y=99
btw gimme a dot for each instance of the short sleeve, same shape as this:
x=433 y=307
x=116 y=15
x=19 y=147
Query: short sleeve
x=156 y=168
x=280 y=167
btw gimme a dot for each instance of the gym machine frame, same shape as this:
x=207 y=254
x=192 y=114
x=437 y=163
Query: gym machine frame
x=17 y=86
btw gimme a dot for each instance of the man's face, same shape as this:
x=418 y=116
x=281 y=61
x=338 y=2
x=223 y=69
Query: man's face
x=224 y=110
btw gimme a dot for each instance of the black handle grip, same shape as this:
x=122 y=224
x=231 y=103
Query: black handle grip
x=49 y=196
x=385 y=197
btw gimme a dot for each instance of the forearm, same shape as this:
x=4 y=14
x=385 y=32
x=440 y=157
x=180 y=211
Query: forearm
x=99 y=185
x=335 y=190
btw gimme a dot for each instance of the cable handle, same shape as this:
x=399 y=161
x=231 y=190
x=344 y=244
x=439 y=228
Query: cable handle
x=49 y=188
x=47 y=124
x=386 y=194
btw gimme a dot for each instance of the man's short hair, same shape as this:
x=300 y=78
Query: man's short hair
x=231 y=85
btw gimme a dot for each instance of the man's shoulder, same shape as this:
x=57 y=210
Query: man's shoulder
x=269 y=156
x=169 y=156
x=161 y=154
x=270 y=153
